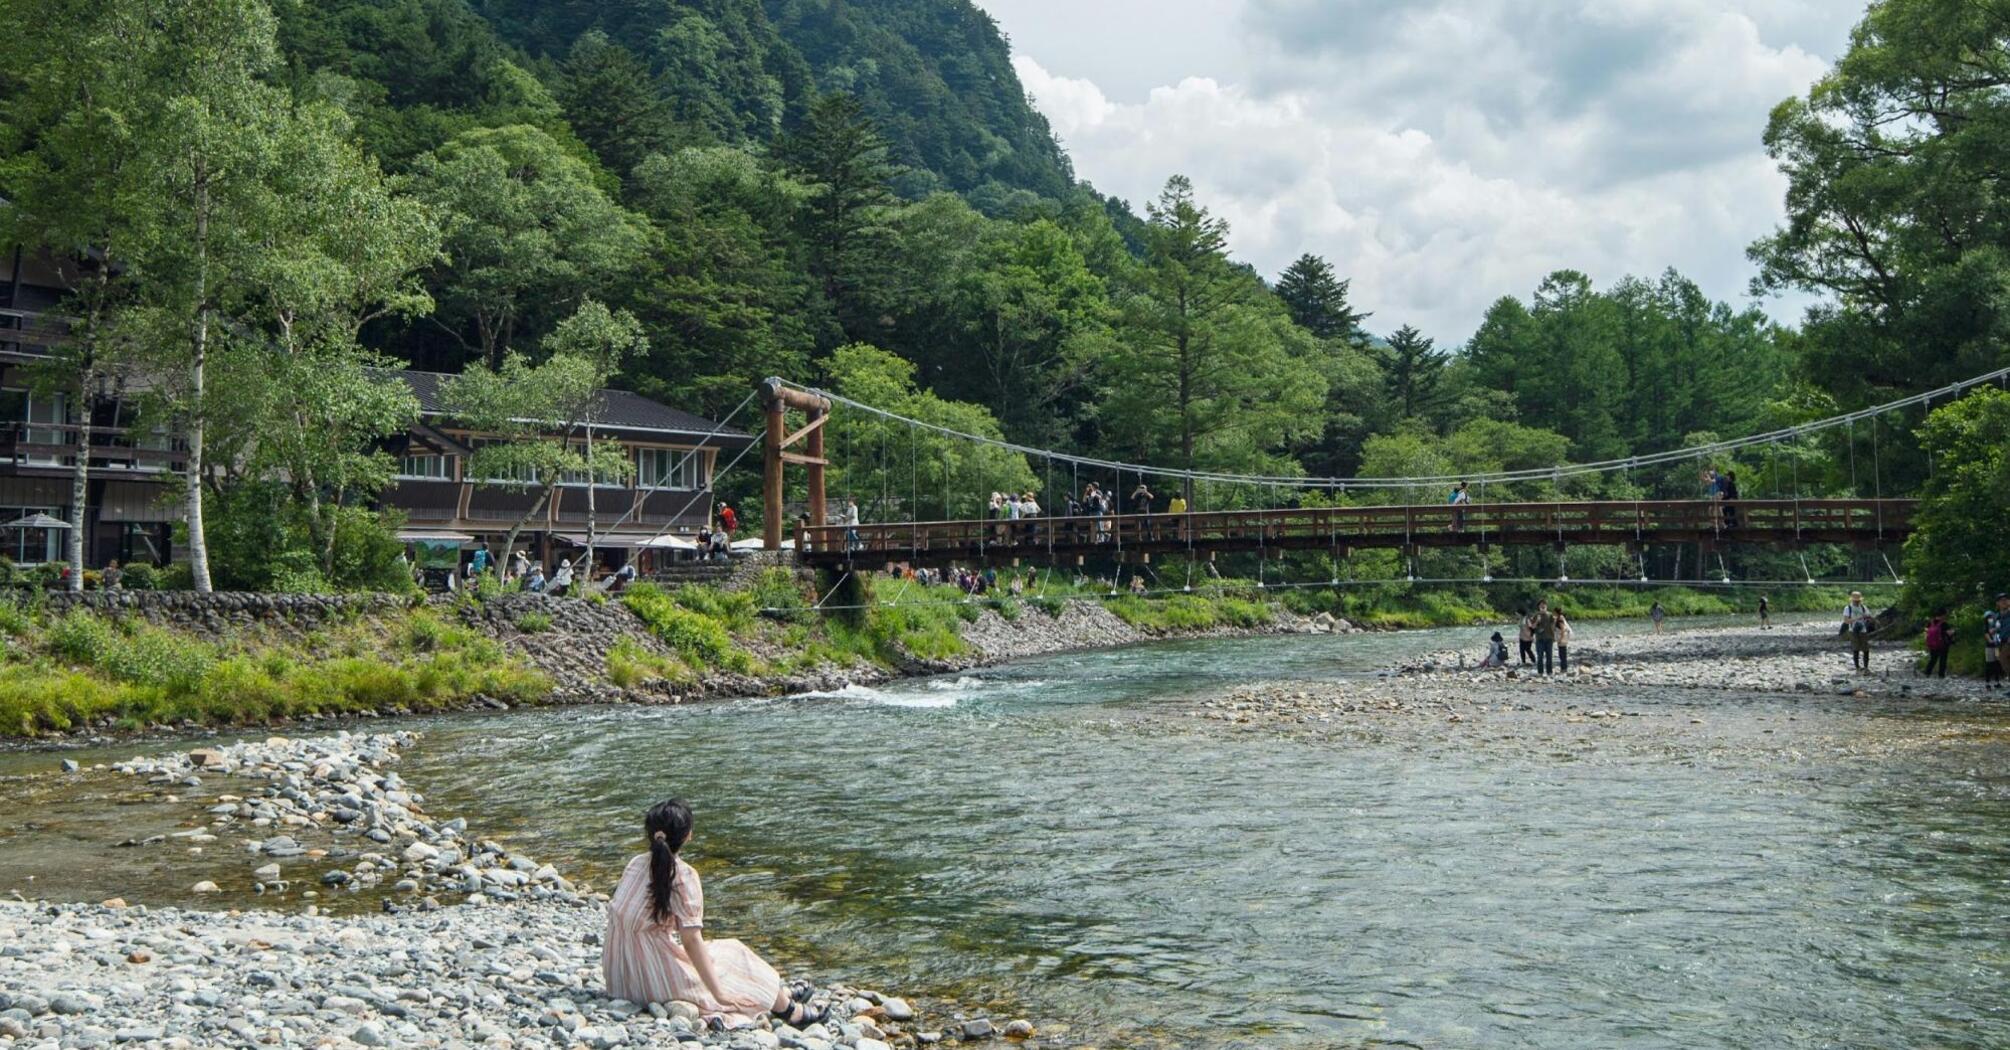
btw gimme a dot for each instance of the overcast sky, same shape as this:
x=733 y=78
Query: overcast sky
x=1441 y=153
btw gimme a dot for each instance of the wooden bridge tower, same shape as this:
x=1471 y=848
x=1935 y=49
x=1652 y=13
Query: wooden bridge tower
x=778 y=399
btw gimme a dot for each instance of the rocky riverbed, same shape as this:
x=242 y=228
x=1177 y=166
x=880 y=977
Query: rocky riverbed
x=473 y=943
x=1796 y=658
x=1788 y=690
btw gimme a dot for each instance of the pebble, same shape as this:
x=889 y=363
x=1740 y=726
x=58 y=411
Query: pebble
x=422 y=974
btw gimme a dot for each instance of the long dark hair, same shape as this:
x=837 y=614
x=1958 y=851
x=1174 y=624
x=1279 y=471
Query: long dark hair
x=668 y=825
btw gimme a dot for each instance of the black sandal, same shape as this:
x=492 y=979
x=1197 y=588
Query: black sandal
x=801 y=1015
x=801 y=991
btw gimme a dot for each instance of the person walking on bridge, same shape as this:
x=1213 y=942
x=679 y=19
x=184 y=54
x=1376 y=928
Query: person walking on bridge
x=1857 y=623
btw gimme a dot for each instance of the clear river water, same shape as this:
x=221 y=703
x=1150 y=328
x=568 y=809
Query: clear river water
x=1040 y=839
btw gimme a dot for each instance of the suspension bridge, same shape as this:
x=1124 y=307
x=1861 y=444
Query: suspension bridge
x=797 y=419
x=1147 y=533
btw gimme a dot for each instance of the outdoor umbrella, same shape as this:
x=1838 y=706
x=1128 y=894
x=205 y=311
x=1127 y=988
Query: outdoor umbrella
x=37 y=520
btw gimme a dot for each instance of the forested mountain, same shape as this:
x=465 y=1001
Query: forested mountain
x=935 y=77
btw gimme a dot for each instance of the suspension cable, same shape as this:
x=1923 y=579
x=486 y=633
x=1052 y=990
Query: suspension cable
x=1601 y=466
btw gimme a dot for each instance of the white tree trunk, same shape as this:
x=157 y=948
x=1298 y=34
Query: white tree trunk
x=198 y=545
x=80 y=477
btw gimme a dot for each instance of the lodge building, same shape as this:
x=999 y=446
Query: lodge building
x=134 y=494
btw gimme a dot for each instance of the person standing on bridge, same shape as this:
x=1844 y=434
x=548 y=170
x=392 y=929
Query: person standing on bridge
x=1857 y=623
x=1176 y=510
x=850 y=523
x=1713 y=490
x=1459 y=500
x=1141 y=505
x=1545 y=639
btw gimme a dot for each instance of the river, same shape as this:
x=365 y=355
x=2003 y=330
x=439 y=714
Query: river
x=1037 y=838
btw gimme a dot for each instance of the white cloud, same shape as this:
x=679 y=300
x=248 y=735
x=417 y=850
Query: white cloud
x=1444 y=154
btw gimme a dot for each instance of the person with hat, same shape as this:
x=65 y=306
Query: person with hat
x=1857 y=624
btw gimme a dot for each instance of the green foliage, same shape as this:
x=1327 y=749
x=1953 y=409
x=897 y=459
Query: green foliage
x=734 y=609
x=534 y=622
x=140 y=576
x=1955 y=561
x=84 y=667
x=1316 y=299
x=777 y=593
x=1180 y=613
x=702 y=641
x=1207 y=371
x=630 y=665
x=1892 y=162
x=529 y=233
x=262 y=539
x=933 y=465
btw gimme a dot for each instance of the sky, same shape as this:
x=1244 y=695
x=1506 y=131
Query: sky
x=1441 y=153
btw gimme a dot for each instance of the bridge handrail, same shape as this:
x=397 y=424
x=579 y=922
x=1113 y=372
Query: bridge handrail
x=1609 y=519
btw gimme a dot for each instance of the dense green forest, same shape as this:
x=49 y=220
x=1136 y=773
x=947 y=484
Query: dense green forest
x=681 y=196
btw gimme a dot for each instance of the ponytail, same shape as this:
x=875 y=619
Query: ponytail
x=668 y=825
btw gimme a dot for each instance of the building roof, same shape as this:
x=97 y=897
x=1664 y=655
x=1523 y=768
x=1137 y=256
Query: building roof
x=619 y=410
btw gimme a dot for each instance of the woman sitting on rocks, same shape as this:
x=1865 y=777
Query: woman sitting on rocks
x=656 y=951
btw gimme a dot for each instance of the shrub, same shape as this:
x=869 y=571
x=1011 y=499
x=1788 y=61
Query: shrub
x=534 y=622
x=734 y=609
x=630 y=665
x=700 y=640
x=140 y=576
x=15 y=620
x=778 y=594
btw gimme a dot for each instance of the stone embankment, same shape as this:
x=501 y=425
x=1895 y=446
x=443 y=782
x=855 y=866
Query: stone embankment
x=511 y=959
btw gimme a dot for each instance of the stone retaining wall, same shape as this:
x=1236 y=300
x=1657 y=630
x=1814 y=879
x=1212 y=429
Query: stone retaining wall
x=210 y=612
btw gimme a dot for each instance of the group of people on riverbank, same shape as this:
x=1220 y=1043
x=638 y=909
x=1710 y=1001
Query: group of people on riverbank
x=1543 y=641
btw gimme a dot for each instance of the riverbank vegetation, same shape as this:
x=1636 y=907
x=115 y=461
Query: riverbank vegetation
x=84 y=668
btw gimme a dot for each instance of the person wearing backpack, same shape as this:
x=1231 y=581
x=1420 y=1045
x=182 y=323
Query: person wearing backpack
x=1939 y=639
x=1995 y=638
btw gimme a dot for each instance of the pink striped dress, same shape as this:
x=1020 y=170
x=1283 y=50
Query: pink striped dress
x=644 y=961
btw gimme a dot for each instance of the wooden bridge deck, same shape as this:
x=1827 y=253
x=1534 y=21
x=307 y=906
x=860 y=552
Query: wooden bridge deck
x=1778 y=523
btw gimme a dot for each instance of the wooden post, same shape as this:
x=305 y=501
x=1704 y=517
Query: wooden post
x=771 y=467
x=814 y=446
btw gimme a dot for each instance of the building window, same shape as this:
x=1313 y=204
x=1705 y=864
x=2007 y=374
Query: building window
x=521 y=473
x=25 y=410
x=667 y=468
x=31 y=546
x=426 y=466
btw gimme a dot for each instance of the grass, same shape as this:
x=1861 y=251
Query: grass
x=630 y=665
x=1208 y=608
x=704 y=641
x=83 y=668
x=534 y=622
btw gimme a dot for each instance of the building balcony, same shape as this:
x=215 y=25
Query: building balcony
x=30 y=447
